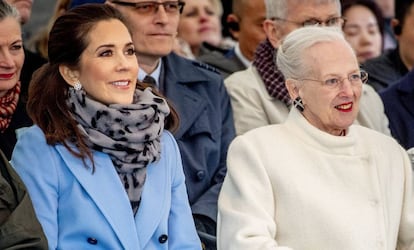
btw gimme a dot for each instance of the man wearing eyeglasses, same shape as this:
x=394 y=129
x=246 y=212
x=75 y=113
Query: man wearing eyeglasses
x=258 y=94
x=197 y=93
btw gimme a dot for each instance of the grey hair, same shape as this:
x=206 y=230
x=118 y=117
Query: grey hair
x=7 y=10
x=279 y=8
x=290 y=53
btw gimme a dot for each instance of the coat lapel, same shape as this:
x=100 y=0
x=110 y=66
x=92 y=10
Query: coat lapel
x=106 y=192
x=188 y=103
x=154 y=202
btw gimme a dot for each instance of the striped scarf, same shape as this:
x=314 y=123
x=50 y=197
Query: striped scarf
x=8 y=104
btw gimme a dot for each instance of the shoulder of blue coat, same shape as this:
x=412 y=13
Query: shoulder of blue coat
x=206 y=66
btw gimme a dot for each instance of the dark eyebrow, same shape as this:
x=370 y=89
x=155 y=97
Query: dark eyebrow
x=112 y=46
x=105 y=46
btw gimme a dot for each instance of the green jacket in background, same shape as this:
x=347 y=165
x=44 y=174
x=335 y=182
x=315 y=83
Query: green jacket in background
x=19 y=227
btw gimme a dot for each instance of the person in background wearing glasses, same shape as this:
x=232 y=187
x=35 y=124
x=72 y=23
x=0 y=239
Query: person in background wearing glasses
x=258 y=94
x=317 y=181
x=197 y=92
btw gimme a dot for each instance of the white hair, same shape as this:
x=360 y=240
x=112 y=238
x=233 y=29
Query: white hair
x=279 y=8
x=290 y=54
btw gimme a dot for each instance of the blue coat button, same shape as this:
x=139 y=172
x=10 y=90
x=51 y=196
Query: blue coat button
x=92 y=241
x=201 y=175
x=163 y=238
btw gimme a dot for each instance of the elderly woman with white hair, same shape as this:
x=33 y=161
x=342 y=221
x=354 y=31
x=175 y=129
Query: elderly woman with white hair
x=317 y=181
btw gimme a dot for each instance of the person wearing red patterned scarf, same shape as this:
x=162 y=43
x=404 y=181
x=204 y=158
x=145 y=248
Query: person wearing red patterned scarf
x=12 y=107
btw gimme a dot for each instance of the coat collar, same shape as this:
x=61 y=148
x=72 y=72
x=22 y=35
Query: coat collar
x=182 y=89
x=108 y=195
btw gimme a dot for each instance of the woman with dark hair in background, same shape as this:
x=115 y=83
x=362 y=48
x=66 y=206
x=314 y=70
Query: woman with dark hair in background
x=364 y=28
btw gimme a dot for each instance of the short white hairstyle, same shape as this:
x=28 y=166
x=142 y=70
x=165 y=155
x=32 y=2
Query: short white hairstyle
x=279 y=8
x=290 y=54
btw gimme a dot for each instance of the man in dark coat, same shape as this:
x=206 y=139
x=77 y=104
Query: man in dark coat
x=399 y=107
x=197 y=92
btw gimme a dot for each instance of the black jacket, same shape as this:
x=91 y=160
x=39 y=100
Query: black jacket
x=385 y=70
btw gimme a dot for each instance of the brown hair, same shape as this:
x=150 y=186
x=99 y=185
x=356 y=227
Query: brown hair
x=48 y=91
x=38 y=42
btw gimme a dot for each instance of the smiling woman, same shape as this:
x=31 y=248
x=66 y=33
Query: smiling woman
x=317 y=174
x=12 y=105
x=106 y=136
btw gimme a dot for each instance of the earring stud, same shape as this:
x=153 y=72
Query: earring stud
x=77 y=86
x=297 y=103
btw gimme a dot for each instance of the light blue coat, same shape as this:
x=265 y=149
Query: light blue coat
x=79 y=209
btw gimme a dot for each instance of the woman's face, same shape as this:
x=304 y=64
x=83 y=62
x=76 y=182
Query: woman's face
x=362 y=32
x=331 y=109
x=199 y=23
x=108 y=67
x=11 y=54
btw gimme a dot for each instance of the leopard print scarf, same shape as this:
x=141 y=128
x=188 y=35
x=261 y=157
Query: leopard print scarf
x=8 y=104
x=129 y=134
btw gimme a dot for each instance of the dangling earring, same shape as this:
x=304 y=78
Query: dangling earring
x=297 y=103
x=78 y=85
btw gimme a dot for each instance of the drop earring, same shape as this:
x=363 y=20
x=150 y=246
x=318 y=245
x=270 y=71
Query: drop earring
x=297 y=103
x=78 y=85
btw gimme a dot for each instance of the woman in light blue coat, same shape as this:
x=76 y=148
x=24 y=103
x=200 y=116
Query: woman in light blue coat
x=100 y=168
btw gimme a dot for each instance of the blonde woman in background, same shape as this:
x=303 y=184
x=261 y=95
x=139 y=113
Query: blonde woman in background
x=200 y=27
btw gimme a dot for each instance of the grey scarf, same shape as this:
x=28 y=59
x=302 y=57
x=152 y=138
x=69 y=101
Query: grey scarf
x=129 y=134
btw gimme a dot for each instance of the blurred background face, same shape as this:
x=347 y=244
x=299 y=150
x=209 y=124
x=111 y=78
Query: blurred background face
x=406 y=39
x=153 y=33
x=362 y=32
x=24 y=7
x=330 y=109
x=11 y=54
x=108 y=66
x=250 y=19
x=199 y=22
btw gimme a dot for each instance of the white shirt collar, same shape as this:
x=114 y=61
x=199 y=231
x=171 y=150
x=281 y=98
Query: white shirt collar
x=155 y=74
x=242 y=58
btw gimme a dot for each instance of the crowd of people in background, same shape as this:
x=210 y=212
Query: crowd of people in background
x=207 y=124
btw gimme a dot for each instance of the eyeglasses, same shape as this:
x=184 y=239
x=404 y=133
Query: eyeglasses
x=333 y=21
x=150 y=7
x=335 y=82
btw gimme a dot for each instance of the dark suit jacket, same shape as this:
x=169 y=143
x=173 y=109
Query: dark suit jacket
x=399 y=107
x=227 y=63
x=206 y=128
x=385 y=70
